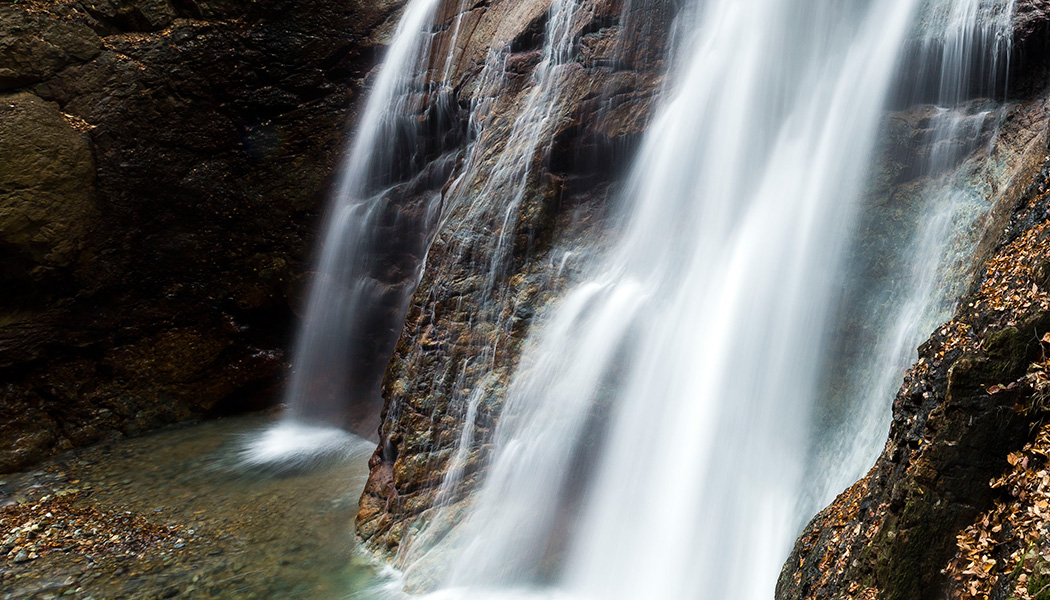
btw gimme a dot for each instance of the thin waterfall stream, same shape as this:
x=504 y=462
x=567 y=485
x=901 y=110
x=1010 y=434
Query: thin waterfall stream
x=335 y=375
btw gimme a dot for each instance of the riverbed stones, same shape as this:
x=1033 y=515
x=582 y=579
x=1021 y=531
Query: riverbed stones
x=218 y=533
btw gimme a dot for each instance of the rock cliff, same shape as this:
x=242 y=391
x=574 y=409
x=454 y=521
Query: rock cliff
x=946 y=512
x=162 y=170
x=163 y=165
x=490 y=268
x=967 y=404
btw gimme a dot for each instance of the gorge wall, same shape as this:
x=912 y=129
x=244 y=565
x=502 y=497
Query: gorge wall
x=964 y=407
x=163 y=166
x=951 y=509
x=891 y=534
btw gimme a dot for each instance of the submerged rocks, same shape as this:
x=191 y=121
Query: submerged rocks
x=158 y=517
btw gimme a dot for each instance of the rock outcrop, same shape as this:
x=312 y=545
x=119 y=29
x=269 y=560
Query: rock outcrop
x=963 y=409
x=162 y=170
x=546 y=159
x=48 y=175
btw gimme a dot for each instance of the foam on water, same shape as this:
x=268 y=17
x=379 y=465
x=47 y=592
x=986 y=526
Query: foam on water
x=289 y=445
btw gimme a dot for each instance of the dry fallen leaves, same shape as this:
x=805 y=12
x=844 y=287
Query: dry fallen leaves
x=33 y=529
x=1007 y=547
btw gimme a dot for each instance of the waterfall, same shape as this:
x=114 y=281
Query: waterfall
x=683 y=409
x=959 y=67
x=351 y=310
x=663 y=435
x=709 y=315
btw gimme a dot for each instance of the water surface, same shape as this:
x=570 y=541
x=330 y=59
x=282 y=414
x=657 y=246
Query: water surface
x=222 y=530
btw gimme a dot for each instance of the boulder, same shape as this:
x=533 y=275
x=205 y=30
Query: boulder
x=47 y=176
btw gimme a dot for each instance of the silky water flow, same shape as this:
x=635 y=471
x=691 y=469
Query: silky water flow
x=326 y=394
x=664 y=434
x=670 y=402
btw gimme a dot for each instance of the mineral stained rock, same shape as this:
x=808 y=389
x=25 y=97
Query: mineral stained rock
x=462 y=334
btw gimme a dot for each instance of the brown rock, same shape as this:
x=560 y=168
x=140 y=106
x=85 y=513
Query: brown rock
x=963 y=408
x=163 y=166
x=594 y=123
x=46 y=184
x=35 y=46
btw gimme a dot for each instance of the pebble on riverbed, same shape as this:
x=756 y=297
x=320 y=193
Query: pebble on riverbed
x=59 y=523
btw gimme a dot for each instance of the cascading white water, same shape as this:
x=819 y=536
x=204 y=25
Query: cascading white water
x=715 y=305
x=656 y=438
x=498 y=176
x=344 y=298
x=960 y=62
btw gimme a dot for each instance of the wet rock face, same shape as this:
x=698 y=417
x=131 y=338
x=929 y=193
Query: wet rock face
x=966 y=408
x=477 y=298
x=1029 y=66
x=889 y=534
x=162 y=170
x=1031 y=18
x=34 y=46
